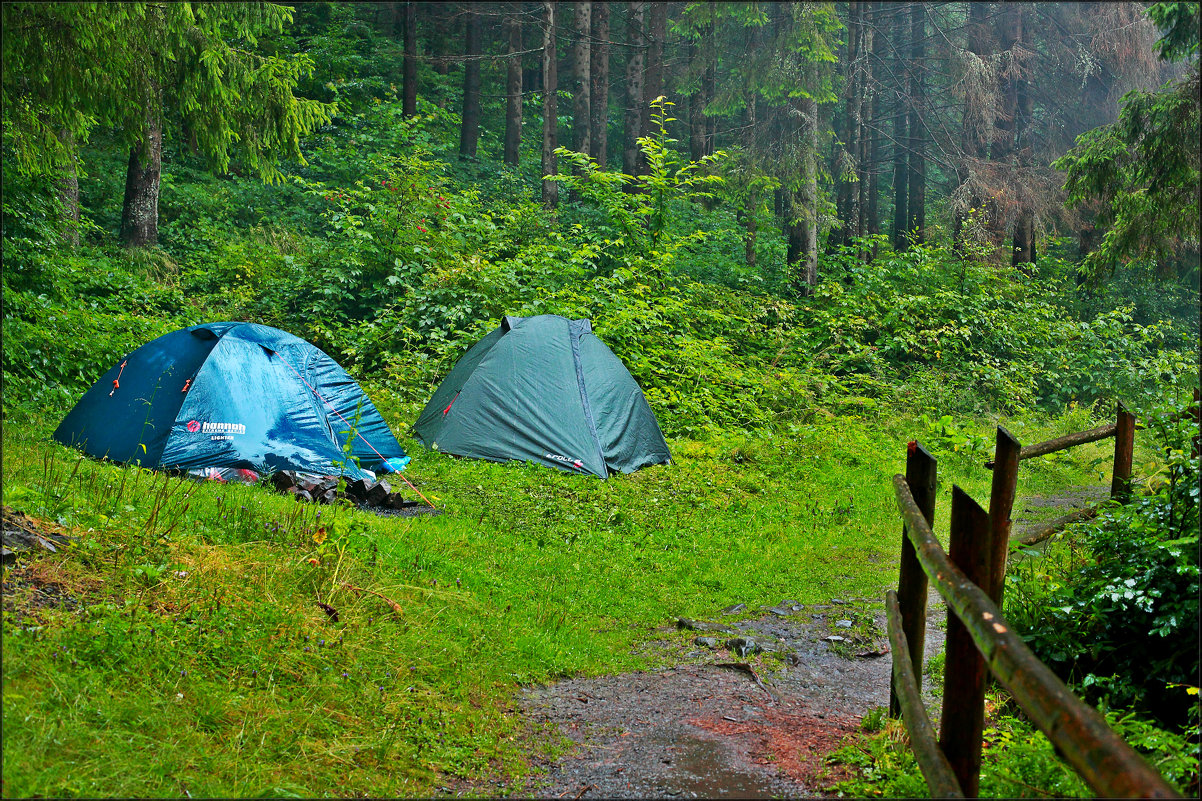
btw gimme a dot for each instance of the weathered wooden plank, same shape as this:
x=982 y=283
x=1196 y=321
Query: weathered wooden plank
x=965 y=672
x=1041 y=533
x=941 y=781
x=921 y=471
x=1001 y=503
x=1060 y=443
x=1124 y=452
x=1110 y=766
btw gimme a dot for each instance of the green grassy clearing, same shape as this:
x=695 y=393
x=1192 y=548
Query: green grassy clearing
x=198 y=658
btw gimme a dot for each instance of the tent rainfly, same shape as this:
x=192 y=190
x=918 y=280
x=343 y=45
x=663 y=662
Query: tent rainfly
x=230 y=395
x=544 y=389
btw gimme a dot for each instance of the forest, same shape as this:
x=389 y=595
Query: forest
x=812 y=232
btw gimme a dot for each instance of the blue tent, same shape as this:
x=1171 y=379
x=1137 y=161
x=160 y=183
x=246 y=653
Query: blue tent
x=230 y=395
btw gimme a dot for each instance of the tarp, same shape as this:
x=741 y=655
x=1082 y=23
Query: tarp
x=544 y=389
x=230 y=395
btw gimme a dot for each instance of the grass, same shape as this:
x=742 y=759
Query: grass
x=194 y=657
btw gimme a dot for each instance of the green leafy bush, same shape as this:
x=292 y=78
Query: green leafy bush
x=1118 y=613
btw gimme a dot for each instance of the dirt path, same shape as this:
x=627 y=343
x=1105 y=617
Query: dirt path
x=721 y=723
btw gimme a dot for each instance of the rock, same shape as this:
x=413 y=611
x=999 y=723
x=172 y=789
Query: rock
x=793 y=606
x=377 y=495
x=843 y=624
x=357 y=489
x=839 y=602
x=327 y=496
x=734 y=609
x=702 y=625
x=743 y=646
x=300 y=494
x=706 y=642
x=835 y=638
x=785 y=609
x=283 y=480
x=397 y=501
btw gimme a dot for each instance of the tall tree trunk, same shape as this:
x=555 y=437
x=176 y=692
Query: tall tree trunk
x=875 y=107
x=68 y=191
x=469 y=131
x=1001 y=154
x=752 y=225
x=550 y=106
x=975 y=129
x=803 y=228
x=709 y=79
x=409 y=65
x=634 y=88
x=848 y=168
x=1024 y=227
x=900 y=171
x=653 y=86
x=916 y=177
x=140 y=209
x=599 y=96
x=581 y=80
x=513 y=91
x=696 y=104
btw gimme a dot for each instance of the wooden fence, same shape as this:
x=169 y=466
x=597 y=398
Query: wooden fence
x=970 y=578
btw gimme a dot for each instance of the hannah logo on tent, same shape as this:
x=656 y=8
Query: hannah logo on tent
x=558 y=458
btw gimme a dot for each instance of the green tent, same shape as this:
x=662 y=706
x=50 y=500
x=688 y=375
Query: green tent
x=544 y=389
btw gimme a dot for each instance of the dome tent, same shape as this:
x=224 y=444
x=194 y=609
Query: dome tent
x=230 y=395
x=544 y=389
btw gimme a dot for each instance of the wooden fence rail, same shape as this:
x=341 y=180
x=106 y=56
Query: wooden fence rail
x=1110 y=766
x=980 y=641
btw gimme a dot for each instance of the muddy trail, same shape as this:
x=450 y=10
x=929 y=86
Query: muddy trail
x=752 y=704
x=749 y=709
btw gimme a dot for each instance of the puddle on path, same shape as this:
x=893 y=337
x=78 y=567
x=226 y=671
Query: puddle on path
x=701 y=769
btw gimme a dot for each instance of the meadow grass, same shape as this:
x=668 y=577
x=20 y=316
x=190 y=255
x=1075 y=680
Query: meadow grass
x=198 y=659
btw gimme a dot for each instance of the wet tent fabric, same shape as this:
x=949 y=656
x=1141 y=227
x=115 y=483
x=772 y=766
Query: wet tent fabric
x=544 y=389
x=229 y=395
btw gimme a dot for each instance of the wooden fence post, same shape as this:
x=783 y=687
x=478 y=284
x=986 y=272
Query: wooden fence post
x=921 y=471
x=1001 y=502
x=964 y=670
x=1124 y=450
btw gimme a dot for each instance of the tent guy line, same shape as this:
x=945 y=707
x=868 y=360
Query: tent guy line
x=350 y=427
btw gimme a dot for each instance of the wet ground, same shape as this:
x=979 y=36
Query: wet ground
x=722 y=724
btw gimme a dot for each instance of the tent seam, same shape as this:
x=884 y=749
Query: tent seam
x=574 y=339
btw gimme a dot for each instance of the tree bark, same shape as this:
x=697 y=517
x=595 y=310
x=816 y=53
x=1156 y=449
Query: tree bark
x=653 y=81
x=140 y=209
x=581 y=79
x=409 y=65
x=513 y=91
x=634 y=88
x=1024 y=228
x=872 y=214
x=469 y=131
x=696 y=105
x=804 y=227
x=916 y=173
x=974 y=130
x=550 y=106
x=599 y=96
x=847 y=200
